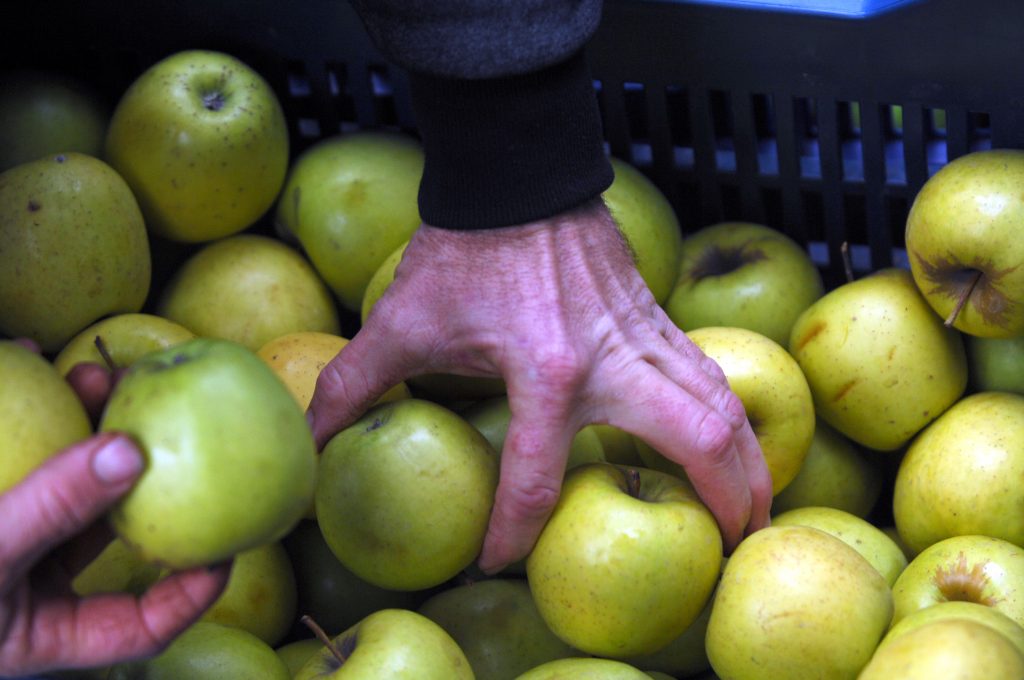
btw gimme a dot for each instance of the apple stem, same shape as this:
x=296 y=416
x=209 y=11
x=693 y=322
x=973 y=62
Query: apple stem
x=633 y=482
x=322 y=637
x=844 y=251
x=101 y=347
x=962 y=300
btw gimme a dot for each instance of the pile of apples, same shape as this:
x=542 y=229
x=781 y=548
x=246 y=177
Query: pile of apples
x=889 y=410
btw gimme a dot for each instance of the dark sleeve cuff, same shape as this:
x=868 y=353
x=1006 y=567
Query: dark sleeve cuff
x=508 y=151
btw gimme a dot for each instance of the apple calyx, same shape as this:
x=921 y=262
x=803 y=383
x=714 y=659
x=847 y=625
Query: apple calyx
x=977 y=283
x=340 y=654
x=961 y=583
x=213 y=101
x=632 y=482
x=719 y=260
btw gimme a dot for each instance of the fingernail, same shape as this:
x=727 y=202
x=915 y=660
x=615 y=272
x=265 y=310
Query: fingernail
x=116 y=462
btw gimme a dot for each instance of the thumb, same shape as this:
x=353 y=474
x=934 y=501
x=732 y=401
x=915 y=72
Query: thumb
x=62 y=497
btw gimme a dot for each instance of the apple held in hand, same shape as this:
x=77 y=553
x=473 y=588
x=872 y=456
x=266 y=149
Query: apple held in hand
x=796 y=602
x=879 y=362
x=743 y=274
x=75 y=248
x=398 y=644
x=201 y=139
x=231 y=461
x=626 y=562
x=965 y=242
x=404 y=494
x=962 y=474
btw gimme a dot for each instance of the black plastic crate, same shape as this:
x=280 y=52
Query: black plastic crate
x=821 y=125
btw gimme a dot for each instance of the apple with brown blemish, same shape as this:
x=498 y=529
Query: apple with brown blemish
x=880 y=364
x=969 y=568
x=965 y=241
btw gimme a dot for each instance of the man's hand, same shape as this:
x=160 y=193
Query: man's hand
x=558 y=309
x=43 y=624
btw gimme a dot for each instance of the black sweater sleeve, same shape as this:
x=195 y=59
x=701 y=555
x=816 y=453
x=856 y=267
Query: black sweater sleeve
x=504 y=104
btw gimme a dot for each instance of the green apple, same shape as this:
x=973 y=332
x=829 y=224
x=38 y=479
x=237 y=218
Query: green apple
x=963 y=239
x=124 y=338
x=955 y=609
x=871 y=542
x=743 y=274
x=951 y=648
x=879 y=362
x=961 y=474
x=261 y=594
x=350 y=200
x=201 y=139
x=398 y=644
x=995 y=364
x=251 y=289
x=619 y=446
x=492 y=416
x=982 y=569
x=231 y=462
x=684 y=657
x=380 y=281
x=583 y=667
x=208 y=651
x=626 y=561
x=75 y=248
x=296 y=653
x=796 y=602
x=39 y=413
x=835 y=474
x=404 y=494
x=117 y=569
x=774 y=393
x=46 y=113
x=497 y=624
x=328 y=591
x=649 y=225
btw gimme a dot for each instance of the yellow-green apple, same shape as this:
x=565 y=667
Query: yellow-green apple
x=492 y=416
x=75 y=248
x=743 y=274
x=350 y=200
x=208 y=651
x=950 y=648
x=774 y=393
x=123 y=337
x=970 y=568
x=626 y=561
x=619 y=446
x=684 y=657
x=496 y=623
x=399 y=644
x=47 y=112
x=995 y=364
x=260 y=596
x=39 y=413
x=891 y=532
x=381 y=279
x=963 y=238
x=404 y=494
x=328 y=591
x=297 y=358
x=230 y=459
x=583 y=667
x=201 y=139
x=296 y=653
x=796 y=602
x=961 y=474
x=956 y=609
x=248 y=288
x=835 y=474
x=117 y=569
x=879 y=362
x=649 y=225
x=861 y=535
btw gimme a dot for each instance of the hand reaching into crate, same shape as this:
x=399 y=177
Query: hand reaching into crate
x=49 y=532
x=557 y=309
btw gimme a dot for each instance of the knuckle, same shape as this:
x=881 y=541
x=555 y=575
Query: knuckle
x=559 y=366
x=714 y=440
x=60 y=509
x=525 y=501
